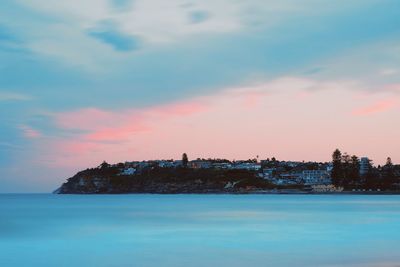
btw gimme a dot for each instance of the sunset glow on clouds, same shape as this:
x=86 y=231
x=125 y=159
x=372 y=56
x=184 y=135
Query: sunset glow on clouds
x=83 y=82
x=28 y=132
x=378 y=107
x=288 y=111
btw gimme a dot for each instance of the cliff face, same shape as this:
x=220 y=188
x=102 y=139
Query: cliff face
x=112 y=180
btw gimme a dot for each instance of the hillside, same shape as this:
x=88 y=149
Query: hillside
x=112 y=180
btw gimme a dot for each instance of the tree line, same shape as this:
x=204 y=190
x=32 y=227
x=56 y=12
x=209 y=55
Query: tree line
x=347 y=173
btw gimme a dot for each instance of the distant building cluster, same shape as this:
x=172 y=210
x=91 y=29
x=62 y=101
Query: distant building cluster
x=344 y=171
x=276 y=172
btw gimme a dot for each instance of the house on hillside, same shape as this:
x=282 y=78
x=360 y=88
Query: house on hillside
x=200 y=164
x=315 y=177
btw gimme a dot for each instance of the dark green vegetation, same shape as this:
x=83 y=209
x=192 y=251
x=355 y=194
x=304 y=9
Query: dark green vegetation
x=346 y=173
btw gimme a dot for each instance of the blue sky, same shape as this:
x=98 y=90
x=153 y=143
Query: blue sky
x=62 y=57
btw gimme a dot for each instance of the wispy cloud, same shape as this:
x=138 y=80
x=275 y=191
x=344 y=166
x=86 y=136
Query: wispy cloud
x=10 y=96
x=394 y=87
x=9 y=146
x=30 y=132
x=90 y=134
x=389 y=72
x=107 y=33
x=378 y=107
x=96 y=124
x=119 y=126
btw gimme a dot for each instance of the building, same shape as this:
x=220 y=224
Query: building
x=292 y=164
x=293 y=176
x=178 y=163
x=200 y=164
x=128 y=171
x=329 y=168
x=268 y=173
x=222 y=165
x=364 y=166
x=166 y=163
x=247 y=166
x=314 y=177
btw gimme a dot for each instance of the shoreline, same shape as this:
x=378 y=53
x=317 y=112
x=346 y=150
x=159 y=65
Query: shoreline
x=261 y=192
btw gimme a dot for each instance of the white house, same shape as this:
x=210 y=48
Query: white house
x=314 y=177
x=128 y=171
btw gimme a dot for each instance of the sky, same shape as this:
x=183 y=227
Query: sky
x=122 y=80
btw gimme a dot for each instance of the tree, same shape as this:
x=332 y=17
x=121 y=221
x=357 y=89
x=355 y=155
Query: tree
x=185 y=160
x=389 y=162
x=388 y=175
x=104 y=165
x=346 y=169
x=371 y=178
x=355 y=169
x=337 y=169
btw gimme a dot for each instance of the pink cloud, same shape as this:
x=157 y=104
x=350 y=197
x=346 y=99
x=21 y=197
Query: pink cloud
x=177 y=109
x=129 y=120
x=106 y=131
x=395 y=87
x=77 y=147
x=303 y=95
x=73 y=153
x=253 y=99
x=116 y=134
x=375 y=108
x=29 y=132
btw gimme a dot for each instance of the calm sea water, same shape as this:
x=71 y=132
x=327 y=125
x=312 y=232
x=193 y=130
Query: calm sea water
x=199 y=230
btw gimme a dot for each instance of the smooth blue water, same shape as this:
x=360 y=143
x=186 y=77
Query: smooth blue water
x=199 y=230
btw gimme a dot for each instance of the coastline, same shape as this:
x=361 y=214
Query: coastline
x=257 y=192
x=142 y=177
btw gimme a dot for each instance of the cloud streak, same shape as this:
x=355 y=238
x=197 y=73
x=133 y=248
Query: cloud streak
x=378 y=107
x=108 y=34
x=11 y=96
x=110 y=126
x=30 y=132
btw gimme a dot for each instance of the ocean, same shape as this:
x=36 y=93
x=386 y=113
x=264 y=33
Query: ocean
x=199 y=230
